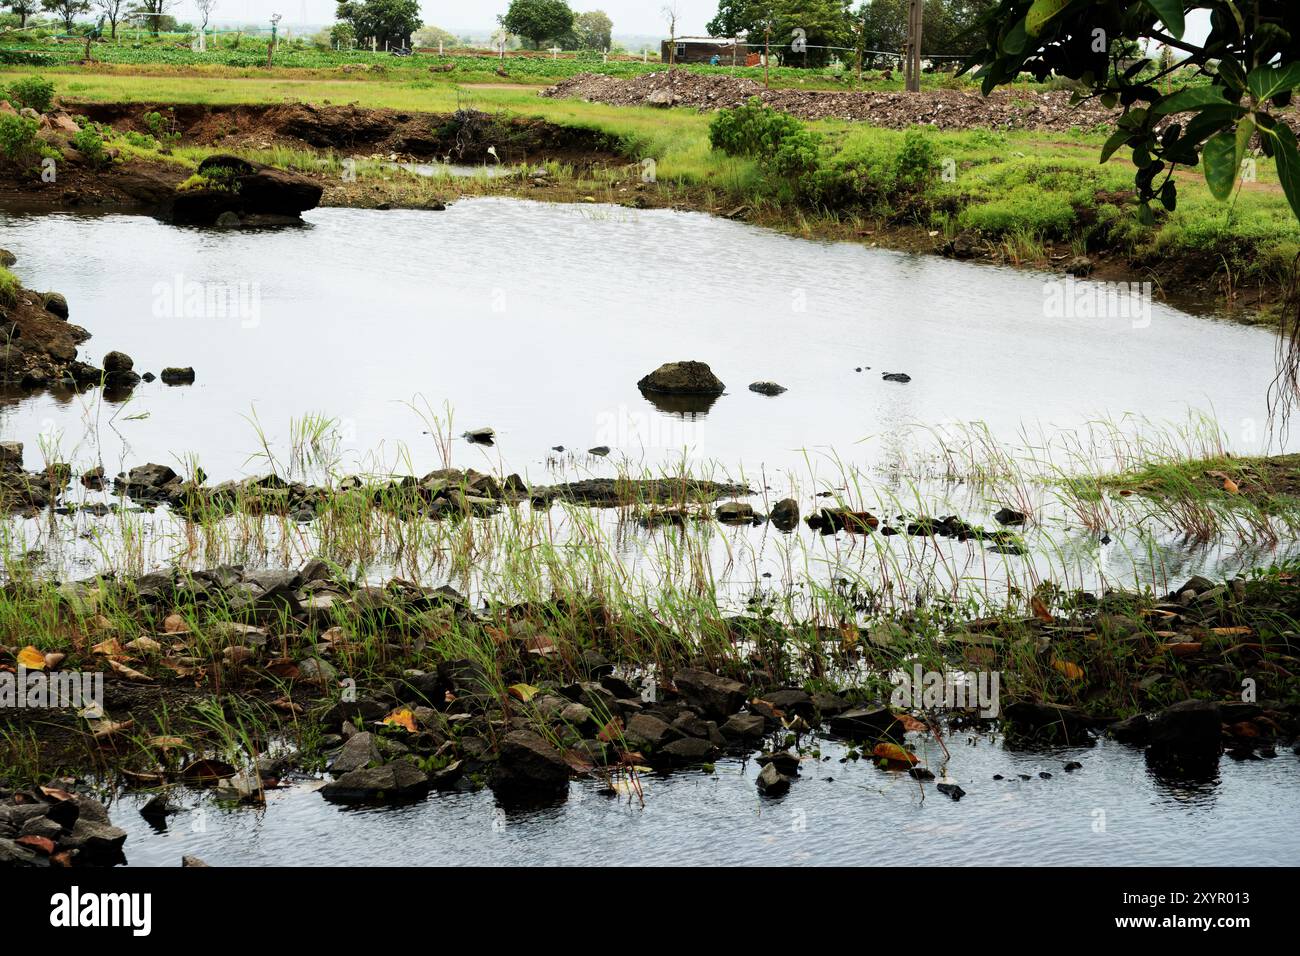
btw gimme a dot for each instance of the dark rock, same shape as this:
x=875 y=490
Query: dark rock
x=55 y=304
x=95 y=842
x=786 y=763
x=767 y=388
x=828 y=705
x=178 y=376
x=359 y=752
x=785 y=514
x=690 y=750
x=1079 y=266
x=116 y=362
x=682 y=378
x=951 y=790
x=399 y=780
x=771 y=782
x=1054 y=721
x=528 y=764
x=600 y=451
x=1133 y=730
x=1186 y=735
x=646 y=732
x=744 y=727
x=735 y=512
x=714 y=696
x=867 y=723
x=13 y=854
x=1008 y=516
x=901 y=377
x=791 y=701
x=248 y=189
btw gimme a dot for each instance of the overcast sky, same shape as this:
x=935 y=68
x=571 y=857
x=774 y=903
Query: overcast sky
x=629 y=16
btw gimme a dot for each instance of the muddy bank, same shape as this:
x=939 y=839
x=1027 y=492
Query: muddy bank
x=402 y=689
x=463 y=137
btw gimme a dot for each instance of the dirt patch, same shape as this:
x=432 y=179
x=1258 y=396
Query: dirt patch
x=943 y=109
x=464 y=136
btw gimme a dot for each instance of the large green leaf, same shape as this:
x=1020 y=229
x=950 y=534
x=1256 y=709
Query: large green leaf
x=1220 y=164
x=1040 y=13
x=1192 y=98
x=1266 y=82
x=1170 y=13
x=1287 y=155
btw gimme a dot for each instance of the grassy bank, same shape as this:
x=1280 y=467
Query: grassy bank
x=1017 y=196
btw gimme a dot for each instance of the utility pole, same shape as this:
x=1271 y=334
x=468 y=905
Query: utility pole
x=912 y=69
x=767 y=53
x=270 y=49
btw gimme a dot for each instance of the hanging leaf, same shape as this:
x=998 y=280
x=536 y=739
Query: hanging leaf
x=1040 y=13
x=1219 y=162
x=1170 y=13
x=1266 y=82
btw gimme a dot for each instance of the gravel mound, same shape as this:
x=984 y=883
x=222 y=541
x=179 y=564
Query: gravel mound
x=943 y=109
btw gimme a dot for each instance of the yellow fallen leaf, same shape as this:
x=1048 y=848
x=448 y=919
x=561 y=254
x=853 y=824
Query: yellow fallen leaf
x=1068 y=669
x=175 y=624
x=524 y=692
x=32 y=659
x=1230 y=486
x=402 y=717
x=1239 y=631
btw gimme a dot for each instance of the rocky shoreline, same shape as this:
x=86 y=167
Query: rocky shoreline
x=397 y=708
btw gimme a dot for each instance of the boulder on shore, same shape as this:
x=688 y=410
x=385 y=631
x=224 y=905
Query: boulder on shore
x=253 y=192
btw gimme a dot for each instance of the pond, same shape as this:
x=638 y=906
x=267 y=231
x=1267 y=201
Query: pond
x=1112 y=811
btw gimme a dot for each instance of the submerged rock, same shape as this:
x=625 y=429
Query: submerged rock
x=771 y=782
x=901 y=377
x=767 y=388
x=1186 y=735
x=247 y=189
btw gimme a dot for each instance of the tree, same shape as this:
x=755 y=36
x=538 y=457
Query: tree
x=385 y=21
x=67 y=10
x=205 y=8
x=152 y=13
x=342 y=35
x=593 y=30
x=112 y=10
x=429 y=35
x=22 y=9
x=947 y=26
x=823 y=24
x=538 y=20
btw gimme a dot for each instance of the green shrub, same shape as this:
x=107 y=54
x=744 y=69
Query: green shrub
x=916 y=163
x=32 y=91
x=90 y=144
x=752 y=130
x=18 y=141
x=9 y=287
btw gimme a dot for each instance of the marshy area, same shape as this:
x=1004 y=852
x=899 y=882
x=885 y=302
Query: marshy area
x=514 y=499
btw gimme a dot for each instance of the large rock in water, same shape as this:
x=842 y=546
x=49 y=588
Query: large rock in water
x=249 y=190
x=396 y=781
x=1186 y=737
x=682 y=378
x=714 y=696
x=529 y=766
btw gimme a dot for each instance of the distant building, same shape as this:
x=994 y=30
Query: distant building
x=703 y=49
